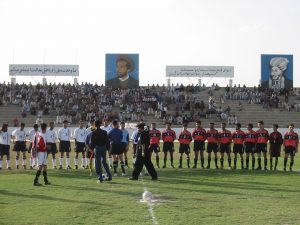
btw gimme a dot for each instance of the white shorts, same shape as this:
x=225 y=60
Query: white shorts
x=42 y=158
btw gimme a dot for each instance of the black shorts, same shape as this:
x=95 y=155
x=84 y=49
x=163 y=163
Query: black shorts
x=249 y=147
x=275 y=150
x=4 y=150
x=199 y=145
x=183 y=148
x=124 y=147
x=261 y=147
x=225 y=148
x=212 y=147
x=51 y=148
x=20 y=146
x=116 y=149
x=154 y=148
x=64 y=146
x=290 y=150
x=238 y=148
x=79 y=146
x=168 y=147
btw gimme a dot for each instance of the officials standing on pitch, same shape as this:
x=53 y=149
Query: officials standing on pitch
x=143 y=154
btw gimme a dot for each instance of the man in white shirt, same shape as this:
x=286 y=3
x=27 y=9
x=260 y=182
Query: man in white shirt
x=51 y=139
x=19 y=136
x=107 y=127
x=4 y=145
x=79 y=136
x=64 y=136
x=31 y=135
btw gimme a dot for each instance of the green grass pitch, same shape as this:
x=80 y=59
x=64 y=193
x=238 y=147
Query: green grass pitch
x=186 y=197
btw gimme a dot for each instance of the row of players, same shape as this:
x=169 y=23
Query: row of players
x=252 y=142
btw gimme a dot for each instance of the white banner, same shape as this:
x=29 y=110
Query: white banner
x=199 y=71
x=43 y=70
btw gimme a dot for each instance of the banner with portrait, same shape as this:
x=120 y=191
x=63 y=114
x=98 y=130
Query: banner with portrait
x=277 y=72
x=122 y=71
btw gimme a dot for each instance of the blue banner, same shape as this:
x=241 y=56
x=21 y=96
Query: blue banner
x=277 y=72
x=122 y=71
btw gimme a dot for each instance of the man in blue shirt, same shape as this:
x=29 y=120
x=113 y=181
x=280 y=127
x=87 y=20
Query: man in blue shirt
x=125 y=142
x=115 y=136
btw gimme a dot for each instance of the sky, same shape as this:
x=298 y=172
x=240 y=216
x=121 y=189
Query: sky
x=163 y=32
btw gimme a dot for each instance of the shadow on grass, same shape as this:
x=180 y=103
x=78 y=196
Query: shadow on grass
x=48 y=198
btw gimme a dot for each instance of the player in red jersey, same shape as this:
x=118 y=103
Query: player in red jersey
x=225 y=142
x=249 y=145
x=212 y=144
x=199 y=136
x=155 y=137
x=291 y=141
x=238 y=138
x=168 y=137
x=185 y=138
x=261 y=144
x=275 y=146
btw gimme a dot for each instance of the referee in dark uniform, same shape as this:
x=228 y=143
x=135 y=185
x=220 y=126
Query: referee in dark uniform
x=143 y=154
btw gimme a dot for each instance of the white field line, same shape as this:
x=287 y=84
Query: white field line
x=150 y=205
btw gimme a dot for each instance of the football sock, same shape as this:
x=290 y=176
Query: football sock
x=180 y=161
x=157 y=161
x=0 y=163
x=172 y=160
x=24 y=161
x=188 y=162
x=76 y=161
x=7 y=163
x=285 y=162
x=31 y=161
x=195 y=162
x=110 y=161
x=115 y=165
x=216 y=161
x=61 y=161
x=68 y=161
x=291 y=163
x=265 y=162
x=229 y=162
x=17 y=160
x=53 y=162
x=242 y=163
x=84 y=162
x=37 y=175
x=247 y=162
x=222 y=161
x=202 y=161
x=234 y=162
x=123 y=167
x=253 y=162
x=208 y=161
x=276 y=162
x=271 y=162
x=259 y=162
x=165 y=161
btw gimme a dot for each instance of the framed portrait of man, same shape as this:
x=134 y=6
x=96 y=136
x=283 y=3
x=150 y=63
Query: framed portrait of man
x=277 y=72
x=122 y=71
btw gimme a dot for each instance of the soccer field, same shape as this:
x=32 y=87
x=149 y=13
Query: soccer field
x=184 y=196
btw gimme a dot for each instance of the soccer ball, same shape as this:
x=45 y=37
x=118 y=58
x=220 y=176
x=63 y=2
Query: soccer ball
x=147 y=196
x=104 y=176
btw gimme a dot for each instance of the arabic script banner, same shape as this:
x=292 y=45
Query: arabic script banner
x=199 y=71
x=43 y=70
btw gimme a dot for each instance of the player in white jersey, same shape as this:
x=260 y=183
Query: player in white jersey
x=64 y=136
x=4 y=145
x=51 y=139
x=19 y=136
x=31 y=134
x=107 y=127
x=134 y=139
x=79 y=136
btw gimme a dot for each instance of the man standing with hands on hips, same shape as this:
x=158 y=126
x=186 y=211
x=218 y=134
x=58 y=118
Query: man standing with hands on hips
x=143 y=154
